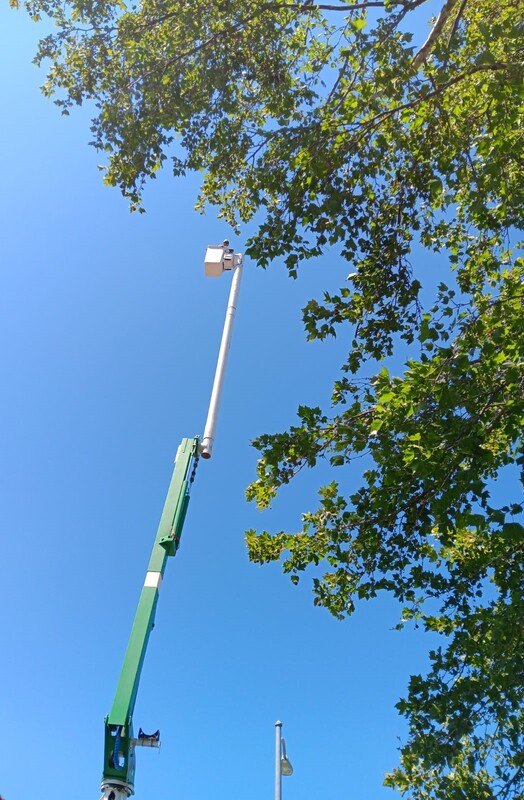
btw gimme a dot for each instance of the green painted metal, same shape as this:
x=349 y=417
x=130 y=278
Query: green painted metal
x=119 y=756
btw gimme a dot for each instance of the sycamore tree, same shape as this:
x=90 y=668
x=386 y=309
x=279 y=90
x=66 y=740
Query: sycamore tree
x=342 y=125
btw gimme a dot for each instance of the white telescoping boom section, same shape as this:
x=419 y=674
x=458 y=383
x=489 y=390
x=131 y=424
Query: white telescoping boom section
x=220 y=258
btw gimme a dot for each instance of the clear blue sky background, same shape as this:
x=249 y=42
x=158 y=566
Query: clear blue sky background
x=108 y=341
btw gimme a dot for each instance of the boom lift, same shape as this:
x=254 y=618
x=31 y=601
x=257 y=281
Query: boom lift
x=120 y=742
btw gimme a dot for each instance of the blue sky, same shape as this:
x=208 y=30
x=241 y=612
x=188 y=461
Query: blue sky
x=108 y=342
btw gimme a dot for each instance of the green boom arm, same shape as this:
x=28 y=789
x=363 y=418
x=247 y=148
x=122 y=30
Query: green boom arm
x=119 y=750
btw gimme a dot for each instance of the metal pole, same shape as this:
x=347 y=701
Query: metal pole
x=278 y=760
x=212 y=415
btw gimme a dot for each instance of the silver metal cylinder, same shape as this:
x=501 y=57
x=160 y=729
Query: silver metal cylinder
x=278 y=760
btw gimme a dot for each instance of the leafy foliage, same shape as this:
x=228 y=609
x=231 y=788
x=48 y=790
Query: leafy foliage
x=330 y=124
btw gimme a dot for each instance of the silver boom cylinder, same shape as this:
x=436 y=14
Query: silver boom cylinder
x=208 y=438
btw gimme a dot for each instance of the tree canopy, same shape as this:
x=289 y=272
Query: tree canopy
x=338 y=127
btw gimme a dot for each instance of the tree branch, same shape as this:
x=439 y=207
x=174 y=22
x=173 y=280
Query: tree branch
x=370 y=124
x=324 y=7
x=426 y=48
x=404 y=4
x=457 y=21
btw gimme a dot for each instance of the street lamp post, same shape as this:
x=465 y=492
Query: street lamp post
x=282 y=762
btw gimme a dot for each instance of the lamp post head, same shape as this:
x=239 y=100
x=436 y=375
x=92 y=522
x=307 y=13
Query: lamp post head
x=285 y=764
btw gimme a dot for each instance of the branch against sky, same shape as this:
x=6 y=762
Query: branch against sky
x=339 y=130
x=437 y=29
